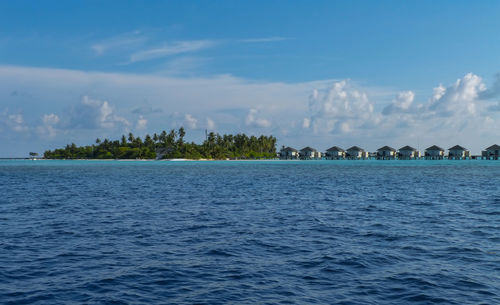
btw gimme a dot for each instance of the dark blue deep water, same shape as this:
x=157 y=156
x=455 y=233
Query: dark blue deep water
x=337 y=232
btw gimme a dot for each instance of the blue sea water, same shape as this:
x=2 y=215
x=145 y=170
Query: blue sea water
x=318 y=232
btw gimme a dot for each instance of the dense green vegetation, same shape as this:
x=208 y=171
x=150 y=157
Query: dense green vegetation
x=171 y=145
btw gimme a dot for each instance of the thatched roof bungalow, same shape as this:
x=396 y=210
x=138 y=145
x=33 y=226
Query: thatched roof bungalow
x=434 y=153
x=335 y=153
x=408 y=153
x=289 y=153
x=386 y=153
x=309 y=153
x=356 y=152
x=458 y=152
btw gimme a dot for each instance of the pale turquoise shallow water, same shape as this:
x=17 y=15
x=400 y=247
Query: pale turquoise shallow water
x=317 y=232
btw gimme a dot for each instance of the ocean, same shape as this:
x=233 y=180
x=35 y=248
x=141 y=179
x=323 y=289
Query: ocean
x=250 y=232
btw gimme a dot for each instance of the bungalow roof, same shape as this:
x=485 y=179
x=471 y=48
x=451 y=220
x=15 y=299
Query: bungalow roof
x=386 y=148
x=356 y=148
x=434 y=147
x=457 y=147
x=307 y=148
x=290 y=149
x=335 y=148
x=407 y=147
x=493 y=147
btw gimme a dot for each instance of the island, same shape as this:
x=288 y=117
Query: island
x=172 y=145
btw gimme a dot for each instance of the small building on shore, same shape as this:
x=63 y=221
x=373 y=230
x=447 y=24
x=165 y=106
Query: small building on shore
x=289 y=153
x=408 y=153
x=386 y=153
x=434 y=153
x=335 y=153
x=458 y=152
x=491 y=153
x=309 y=153
x=356 y=152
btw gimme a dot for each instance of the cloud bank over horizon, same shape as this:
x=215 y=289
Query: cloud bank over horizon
x=43 y=108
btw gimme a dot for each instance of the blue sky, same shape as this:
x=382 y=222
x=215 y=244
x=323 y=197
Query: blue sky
x=320 y=73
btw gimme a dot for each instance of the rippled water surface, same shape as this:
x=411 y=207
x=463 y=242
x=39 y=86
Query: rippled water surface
x=338 y=232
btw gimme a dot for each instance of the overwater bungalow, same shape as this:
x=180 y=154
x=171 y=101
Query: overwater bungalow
x=309 y=153
x=289 y=153
x=386 y=153
x=356 y=152
x=335 y=153
x=434 y=153
x=408 y=153
x=458 y=152
x=491 y=153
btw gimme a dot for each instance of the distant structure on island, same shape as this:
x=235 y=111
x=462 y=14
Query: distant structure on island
x=434 y=153
x=491 y=153
x=334 y=153
x=356 y=153
x=407 y=152
x=458 y=152
x=309 y=153
x=386 y=153
x=289 y=153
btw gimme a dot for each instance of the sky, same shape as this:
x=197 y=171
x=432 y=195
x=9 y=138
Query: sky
x=311 y=73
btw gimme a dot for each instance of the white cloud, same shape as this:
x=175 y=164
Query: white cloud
x=339 y=108
x=13 y=122
x=339 y=113
x=210 y=124
x=401 y=103
x=461 y=97
x=92 y=114
x=123 y=41
x=253 y=121
x=306 y=123
x=141 y=123
x=494 y=91
x=48 y=126
x=190 y=121
x=171 y=49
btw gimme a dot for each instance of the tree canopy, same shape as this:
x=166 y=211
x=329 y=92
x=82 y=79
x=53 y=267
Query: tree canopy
x=172 y=145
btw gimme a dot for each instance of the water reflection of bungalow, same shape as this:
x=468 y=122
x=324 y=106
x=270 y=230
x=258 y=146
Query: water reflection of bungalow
x=408 y=153
x=289 y=153
x=434 y=153
x=308 y=153
x=458 y=152
x=492 y=152
x=356 y=153
x=386 y=153
x=335 y=153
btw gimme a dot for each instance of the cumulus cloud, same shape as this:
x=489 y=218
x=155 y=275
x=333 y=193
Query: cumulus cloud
x=49 y=125
x=210 y=124
x=306 y=123
x=493 y=91
x=338 y=112
x=141 y=123
x=13 y=121
x=460 y=98
x=190 y=121
x=186 y=120
x=252 y=120
x=93 y=114
x=340 y=108
x=402 y=103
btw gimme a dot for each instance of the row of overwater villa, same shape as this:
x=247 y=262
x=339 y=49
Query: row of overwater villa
x=434 y=152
